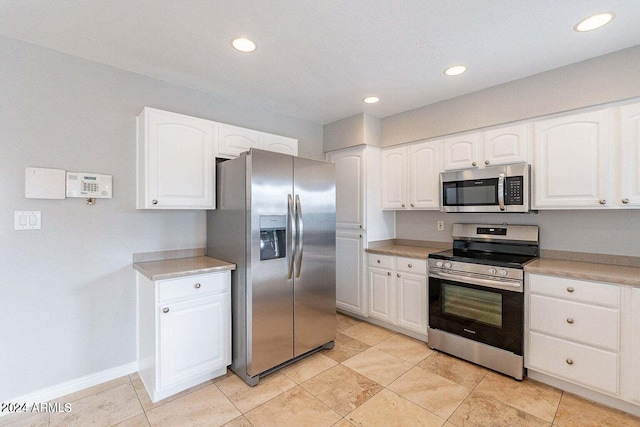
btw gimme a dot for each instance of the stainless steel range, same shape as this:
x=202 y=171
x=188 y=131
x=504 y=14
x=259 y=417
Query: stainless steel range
x=476 y=295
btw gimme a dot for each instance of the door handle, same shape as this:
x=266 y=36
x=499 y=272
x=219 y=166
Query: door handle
x=291 y=238
x=300 y=235
x=501 y=191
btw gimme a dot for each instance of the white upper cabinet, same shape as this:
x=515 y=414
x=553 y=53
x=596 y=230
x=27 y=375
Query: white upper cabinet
x=629 y=171
x=234 y=140
x=175 y=161
x=280 y=144
x=506 y=145
x=350 y=173
x=571 y=161
x=394 y=178
x=410 y=176
x=461 y=152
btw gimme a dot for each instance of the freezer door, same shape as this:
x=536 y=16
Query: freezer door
x=269 y=291
x=315 y=258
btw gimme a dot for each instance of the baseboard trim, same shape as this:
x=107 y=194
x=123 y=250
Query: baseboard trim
x=63 y=389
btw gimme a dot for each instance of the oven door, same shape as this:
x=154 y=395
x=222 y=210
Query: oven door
x=480 y=313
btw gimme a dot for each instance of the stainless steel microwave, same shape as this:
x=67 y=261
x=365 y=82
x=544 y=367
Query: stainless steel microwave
x=494 y=189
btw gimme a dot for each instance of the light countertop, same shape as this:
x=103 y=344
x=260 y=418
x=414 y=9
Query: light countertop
x=404 y=250
x=180 y=267
x=618 y=274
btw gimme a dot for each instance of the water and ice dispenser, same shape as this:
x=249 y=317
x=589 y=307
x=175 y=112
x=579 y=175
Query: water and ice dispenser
x=273 y=237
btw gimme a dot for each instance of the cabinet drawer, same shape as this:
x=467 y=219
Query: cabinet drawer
x=591 y=325
x=588 y=366
x=193 y=286
x=412 y=265
x=381 y=261
x=576 y=290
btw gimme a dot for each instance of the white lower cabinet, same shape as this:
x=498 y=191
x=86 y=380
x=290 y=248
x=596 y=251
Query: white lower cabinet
x=574 y=331
x=350 y=292
x=398 y=291
x=184 y=331
x=634 y=349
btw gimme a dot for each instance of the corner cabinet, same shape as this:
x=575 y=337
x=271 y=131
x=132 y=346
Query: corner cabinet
x=184 y=331
x=410 y=176
x=175 y=161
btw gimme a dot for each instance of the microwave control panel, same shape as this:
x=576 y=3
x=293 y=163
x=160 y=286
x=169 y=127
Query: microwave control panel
x=513 y=190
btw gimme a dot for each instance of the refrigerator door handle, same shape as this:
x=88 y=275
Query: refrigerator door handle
x=291 y=238
x=300 y=235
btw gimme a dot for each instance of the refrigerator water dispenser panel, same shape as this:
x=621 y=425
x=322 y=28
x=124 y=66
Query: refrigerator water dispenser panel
x=273 y=237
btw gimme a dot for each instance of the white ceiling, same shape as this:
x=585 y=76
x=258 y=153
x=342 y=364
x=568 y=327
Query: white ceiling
x=317 y=59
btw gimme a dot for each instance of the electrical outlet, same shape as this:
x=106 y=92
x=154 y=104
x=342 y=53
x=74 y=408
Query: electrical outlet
x=440 y=225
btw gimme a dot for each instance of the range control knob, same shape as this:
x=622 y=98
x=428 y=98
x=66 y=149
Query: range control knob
x=447 y=265
x=492 y=271
x=503 y=272
x=439 y=264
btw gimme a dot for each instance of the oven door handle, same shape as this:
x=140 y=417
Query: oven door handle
x=501 y=191
x=514 y=286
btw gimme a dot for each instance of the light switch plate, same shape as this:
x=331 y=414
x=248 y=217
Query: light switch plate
x=27 y=220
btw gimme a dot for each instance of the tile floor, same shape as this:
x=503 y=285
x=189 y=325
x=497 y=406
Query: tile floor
x=373 y=377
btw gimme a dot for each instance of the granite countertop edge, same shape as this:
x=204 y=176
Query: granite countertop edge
x=404 y=250
x=181 y=267
x=609 y=273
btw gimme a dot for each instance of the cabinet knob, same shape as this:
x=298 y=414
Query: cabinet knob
x=410 y=265
x=197 y=286
x=603 y=202
x=486 y=162
x=412 y=205
x=474 y=164
x=570 y=321
x=361 y=236
x=165 y=310
x=388 y=273
x=570 y=289
x=360 y=225
x=569 y=361
x=154 y=201
x=398 y=274
x=625 y=201
x=403 y=205
x=378 y=261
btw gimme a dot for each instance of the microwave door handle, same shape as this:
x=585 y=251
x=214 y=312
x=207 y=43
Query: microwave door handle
x=291 y=238
x=300 y=235
x=501 y=191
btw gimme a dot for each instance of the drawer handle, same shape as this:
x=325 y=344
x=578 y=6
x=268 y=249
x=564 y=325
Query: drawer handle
x=197 y=285
x=570 y=289
x=410 y=265
x=569 y=361
x=378 y=261
x=165 y=310
x=570 y=321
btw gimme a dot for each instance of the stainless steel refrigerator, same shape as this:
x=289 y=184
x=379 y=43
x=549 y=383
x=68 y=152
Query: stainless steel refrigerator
x=275 y=219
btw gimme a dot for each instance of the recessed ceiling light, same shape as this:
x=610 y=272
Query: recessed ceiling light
x=595 y=21
x=455 y=70
x=243 y=44
x=371 y=100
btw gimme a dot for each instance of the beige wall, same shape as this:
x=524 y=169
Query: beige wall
x=360 y=129
x=596 y=81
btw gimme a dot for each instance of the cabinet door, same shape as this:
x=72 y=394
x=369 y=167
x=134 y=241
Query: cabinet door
x=571 y=161
x=412 y=302
x=394 y=178
x=506 y=145
x=194 y=338
x=179 y=162
x=350 y=295
x=634 y=373
x=424 y=175
x=381 y=294
x=280 y=144
x=233 y=140
x=461 y=152
x=349 y=187
x=629 y=175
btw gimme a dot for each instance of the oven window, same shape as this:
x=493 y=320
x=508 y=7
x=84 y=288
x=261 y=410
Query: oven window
x=478 y=305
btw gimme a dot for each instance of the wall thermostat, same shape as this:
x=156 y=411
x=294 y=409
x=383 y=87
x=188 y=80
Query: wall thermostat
x=89 y=185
